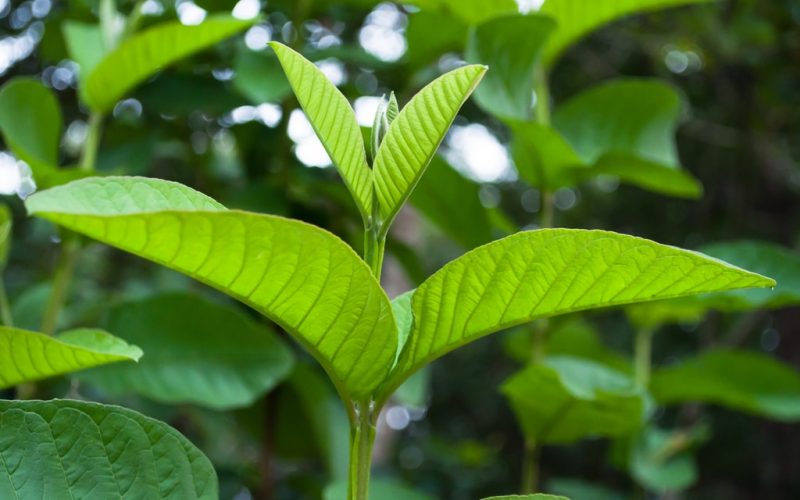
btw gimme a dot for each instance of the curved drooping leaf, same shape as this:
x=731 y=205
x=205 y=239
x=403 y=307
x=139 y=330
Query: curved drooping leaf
x=30 y=120
x=535 y=274
x=511 y=46
x=145 y=53
x=333 y=120
x=26 y=356
x=765 y=258
x=564 y=399
x=75 y=449
x=198 y=351
x=576 y=18
x=452 y=202
x=415 y=135
x=741 y=380
x=379 y=489
x=623 y=128
x=305 y=279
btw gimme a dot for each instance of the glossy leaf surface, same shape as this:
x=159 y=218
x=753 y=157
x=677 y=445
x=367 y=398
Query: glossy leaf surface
x=305 y=279
x=415 y=135
x=542 y=273
x=333 y=120
x=198 y=352
x=75 y=449
x=147 y=52
x=26 y=356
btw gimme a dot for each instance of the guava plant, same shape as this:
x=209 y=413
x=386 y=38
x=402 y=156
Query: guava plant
x=315 y=287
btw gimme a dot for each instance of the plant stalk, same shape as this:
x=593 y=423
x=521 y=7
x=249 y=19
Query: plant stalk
x=92 y=142
x=530 y=468
x=362 y=437
x=642 y=353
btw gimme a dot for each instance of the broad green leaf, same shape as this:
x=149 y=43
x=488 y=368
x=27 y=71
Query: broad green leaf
x=147 y=52
x=259 y=77
x=533 y=496
x=415 y=136
x=511 y=46
x=6 y=221
x=741 y=380
x=188 y=358
x=74 y=449
x=452 y=202
x=305 y=279
x=27 y=356
x=564 y=399
x=576 y=18
x=626 y=128
x=379 y=489
x=762 y=257
x=30 y=120
x=85 y=45
x=536 y=274
x=333 y=120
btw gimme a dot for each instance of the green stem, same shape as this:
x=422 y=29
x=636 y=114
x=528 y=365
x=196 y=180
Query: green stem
x=530 y=468
x=374 y=248
x=362 y=437
x=642 y=349
x=61 y=281
x=5 y=307
x=89 y=155
x=542 y=89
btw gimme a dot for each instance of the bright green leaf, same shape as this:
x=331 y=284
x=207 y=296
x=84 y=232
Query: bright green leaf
x=741 y=380
x=415 y=136
x=188 y=358
x=145 y=53
x=333 y=120
x=576 y=18
x=305 y=279
x=535 y=274
x=510 y=45
x=452 y=203
x=564 y=399
x=27 y=356
x=75 y=449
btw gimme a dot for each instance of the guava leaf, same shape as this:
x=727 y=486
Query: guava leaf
x=564 y=399
x=75 y=449
x=415 y=135
x=576 y=18
x=26 y=356
x=510 y=45
x=333 y=120
x=146 y=52
x=741 y=380
x=305 y=279
x=536 y=274
x=198 y=352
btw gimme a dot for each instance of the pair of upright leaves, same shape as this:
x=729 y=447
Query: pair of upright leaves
x=314 y=286
x=380 y=189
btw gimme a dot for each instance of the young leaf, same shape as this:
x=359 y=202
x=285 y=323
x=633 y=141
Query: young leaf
x=334 y=122
x=75 y=449
x=536 y=274
x=145 y=53
x=626 y=128
x=564 y=399
x=741 y=380
x=576 y=18
x=511 y=45
x=188 y=361
x=415 y=136
x=27 y=356
x=305 y=279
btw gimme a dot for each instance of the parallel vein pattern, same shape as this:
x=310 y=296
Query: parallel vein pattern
x=415 y=135
x=543 y=273
x=27 y=356
x=73 y=449
x=334 y=122
x=140 y=56
x=305 y=279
